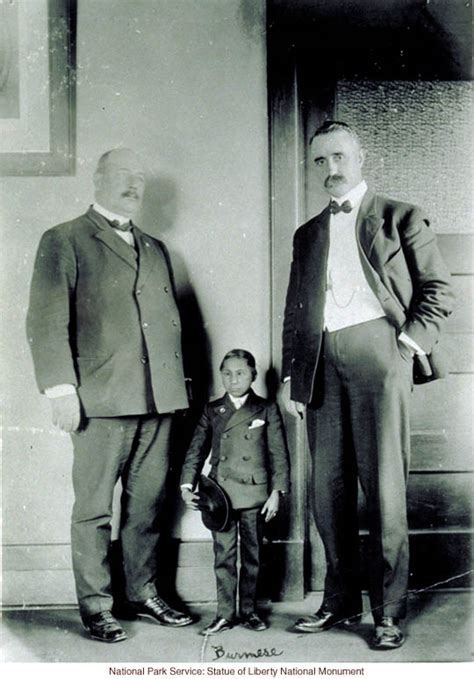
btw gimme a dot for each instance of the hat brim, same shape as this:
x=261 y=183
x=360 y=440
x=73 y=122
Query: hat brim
x=214 y=504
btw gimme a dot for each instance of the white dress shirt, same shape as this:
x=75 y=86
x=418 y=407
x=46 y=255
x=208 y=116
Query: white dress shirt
x=349 y=297
x=127 y=236
x=238 y=401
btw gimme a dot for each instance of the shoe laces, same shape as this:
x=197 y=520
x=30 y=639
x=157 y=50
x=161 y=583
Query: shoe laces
x=107 y=621
x=158 y=605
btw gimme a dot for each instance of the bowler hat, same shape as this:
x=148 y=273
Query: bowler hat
x=214 y=504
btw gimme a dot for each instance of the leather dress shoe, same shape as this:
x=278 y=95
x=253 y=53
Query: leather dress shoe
x=254 y=622
x=323 y=620
x=158 y=610
x=104 y=627
x=388 y=634
x=217 y=626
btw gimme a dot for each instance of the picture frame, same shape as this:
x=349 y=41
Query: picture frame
x=37 y=119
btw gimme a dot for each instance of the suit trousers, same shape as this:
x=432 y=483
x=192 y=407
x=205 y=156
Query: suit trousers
x=361 y=433
x=249 y=523
x=136 y=450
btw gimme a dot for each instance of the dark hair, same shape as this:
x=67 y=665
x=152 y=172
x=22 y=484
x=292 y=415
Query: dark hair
x=336 y=126
x=241 y=353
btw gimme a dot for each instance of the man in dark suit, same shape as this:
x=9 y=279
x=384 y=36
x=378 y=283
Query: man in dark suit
x=249 y=461
x=367 y=298
x=104 y=332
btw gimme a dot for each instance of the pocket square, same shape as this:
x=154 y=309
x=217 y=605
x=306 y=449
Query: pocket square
x=256 y=423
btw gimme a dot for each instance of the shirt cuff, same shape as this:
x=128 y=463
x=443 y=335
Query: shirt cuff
x=60 y=390
x=286 y=379
x=186 y=485
x=403 y=337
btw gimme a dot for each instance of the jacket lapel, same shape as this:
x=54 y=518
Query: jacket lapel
x=250 y=408
x=147 y=256
x=368 y=226
x=223 y=410
x=315 y=251
x=106 y=235
x=368 y=222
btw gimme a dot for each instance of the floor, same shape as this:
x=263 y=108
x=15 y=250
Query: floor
x=438 y=629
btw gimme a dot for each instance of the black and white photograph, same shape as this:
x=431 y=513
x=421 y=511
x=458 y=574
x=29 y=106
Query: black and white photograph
x=237 y=338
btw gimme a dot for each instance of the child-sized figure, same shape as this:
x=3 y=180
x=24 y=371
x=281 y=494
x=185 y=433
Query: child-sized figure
x=249 y=461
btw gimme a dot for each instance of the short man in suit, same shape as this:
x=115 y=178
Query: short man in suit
x=249 y=461
x=104 y=332
x=367 y=298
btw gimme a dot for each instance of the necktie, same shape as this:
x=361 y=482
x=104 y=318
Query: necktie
x=125 y=226
x=334 y=207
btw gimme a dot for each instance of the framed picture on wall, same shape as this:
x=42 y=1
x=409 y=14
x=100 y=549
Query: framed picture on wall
x=37 y=87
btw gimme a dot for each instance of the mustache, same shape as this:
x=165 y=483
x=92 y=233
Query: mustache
x=333 y=178
x=130 y=193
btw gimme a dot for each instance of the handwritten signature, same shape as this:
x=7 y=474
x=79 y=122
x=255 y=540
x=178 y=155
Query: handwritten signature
x=221 y=654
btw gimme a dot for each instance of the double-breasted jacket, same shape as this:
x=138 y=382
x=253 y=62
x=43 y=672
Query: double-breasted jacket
x=249 y=457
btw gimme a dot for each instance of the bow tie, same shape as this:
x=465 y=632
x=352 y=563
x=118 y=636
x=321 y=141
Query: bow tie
x=334 y=207
x=125 y=226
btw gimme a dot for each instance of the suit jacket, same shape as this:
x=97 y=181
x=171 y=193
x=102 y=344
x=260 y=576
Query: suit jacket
x=103 y=317
x=402 y=265
x=249 y=455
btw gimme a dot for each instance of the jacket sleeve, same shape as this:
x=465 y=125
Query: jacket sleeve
x=198 y=450
x=277 y=450
x=49 y=318
x=433 y=299
x=289 y=315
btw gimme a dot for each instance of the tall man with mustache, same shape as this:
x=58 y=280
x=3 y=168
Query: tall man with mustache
x=367 y=298
x=105 y=336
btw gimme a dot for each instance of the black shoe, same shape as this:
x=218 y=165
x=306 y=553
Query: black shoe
x=254 y=622
x=158 y=610
x=388 y=634
x=323 y=620
x=216 y=626
x=104 y=627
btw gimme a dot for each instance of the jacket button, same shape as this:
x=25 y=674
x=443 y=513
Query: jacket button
x=225 y=436
x=166 y=289
x=246 y=457
x=248 y=436
x=222 y=458
x=139 y=292
x=144 y=359
x=174 y=323
x=145 y=325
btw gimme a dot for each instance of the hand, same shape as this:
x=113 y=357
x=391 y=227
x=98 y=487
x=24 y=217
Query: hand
x=294 y=408
x=189 y=498
x=66 y=412
x=270 y=508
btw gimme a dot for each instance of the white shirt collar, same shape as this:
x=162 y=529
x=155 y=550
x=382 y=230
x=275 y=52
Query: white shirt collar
x=355 y=195
x=111 y=216
x=238 y=401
